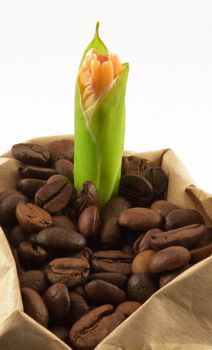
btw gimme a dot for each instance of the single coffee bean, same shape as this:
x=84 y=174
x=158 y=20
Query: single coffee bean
x=93 y=327
x=111 y=234
x=30 y=186
x=55 y=194
x=182 y=217
x=207 y=237
x=133 y=165
x=61 y=332
x=201 y=253
x=169 y=259
x=34 y=306
x=117 y=278
x=169 y=276
x=79 y=306
x=112 y=261
x=36 y=172
x=17 y=235
x=143 y=241
x=31 y=154
x=58 y=238
x=61 y=149
x=58 y=302
x=64 y=167
x=141 y=286
x=163 y=207
x=70 y=271
x=64 y=222
x=32 y=254
x=102 y=292
x=89 y=222
x=158 y=179
x=33 y=218
x=114 y=207
x=136 y=189
x=8 y=203
x=87 y=196
x=187 y=236
x=141 y=261
x=128 y=307
x=140 y=219
x=34 y=279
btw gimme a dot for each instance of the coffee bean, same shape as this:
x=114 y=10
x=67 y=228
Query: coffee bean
x=64 y=167
x=128 y=307
x=143 y=242
x=58 y=302
x=87 y=196
x=32 y=254
x=36 y=172
x=201 y=253
x=207 y=237
x=58 y=238
x=187 y=236
x=61 y=149
x=55 y=194
x=8 y=202
x=30 y=186
x=182 y=217
x=33 y=218
x=133 y=165
x=136 y=189
x=169 y=259
x=64 y=222
x=163 y=207
x=102 y=292
x=117 y=278
x=17 y=235
x=31 y=154
x=158 y=179
x=94 y=326
x=114 y=207
x=169 y=276
x=111 y=234
x=34 y=306
x=34 y=279
x=140 y=219
x=79 y=306
x=141 y=261
x=141 y=286
x=89 y=222
x=112 y=261
x=69 y=271
x=61 y=332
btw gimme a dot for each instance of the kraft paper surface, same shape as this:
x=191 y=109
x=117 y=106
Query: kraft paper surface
x=177 y=317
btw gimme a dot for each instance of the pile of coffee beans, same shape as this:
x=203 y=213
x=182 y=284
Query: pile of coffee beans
x=83 y=270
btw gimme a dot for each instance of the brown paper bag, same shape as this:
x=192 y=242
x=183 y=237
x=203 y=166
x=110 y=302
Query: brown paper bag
x=177 y=317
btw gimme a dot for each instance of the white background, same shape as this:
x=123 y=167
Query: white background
x=167 y=43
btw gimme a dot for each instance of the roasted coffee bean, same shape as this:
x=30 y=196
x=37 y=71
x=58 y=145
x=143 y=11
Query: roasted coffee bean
x=182 y=217
x=111 y=234
x=34 y=306
x=207 y=237
x=79 y=306
x=102 y=292
x=80 y=290
x=32 y=254
x=169 y=259
x=33 y=218
x=89 y=222
x=114 y=207
x=140 y=219
x=70 y=271
x=112 y=261
x=36 y=172
x=117 y=278
x=141 y=286
x=30 y=186
x=58 y=238
x=158 y=179
x=169 y=276
x=143 y=241
x=61 y=149
x=187 y=236
x=17 y=235
x=133 y=165
x=34 y=279
x=64 y=167
x=55 y=194
x=58 y=302
x=141 y=261
x=94 y=326
x=201 y=253
x=87 y=196
x=136 y=189
x=163 y=207
x=61 y=332
x=64 y=222
x=9 y=200
x=31 y=154
x=128 y=307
